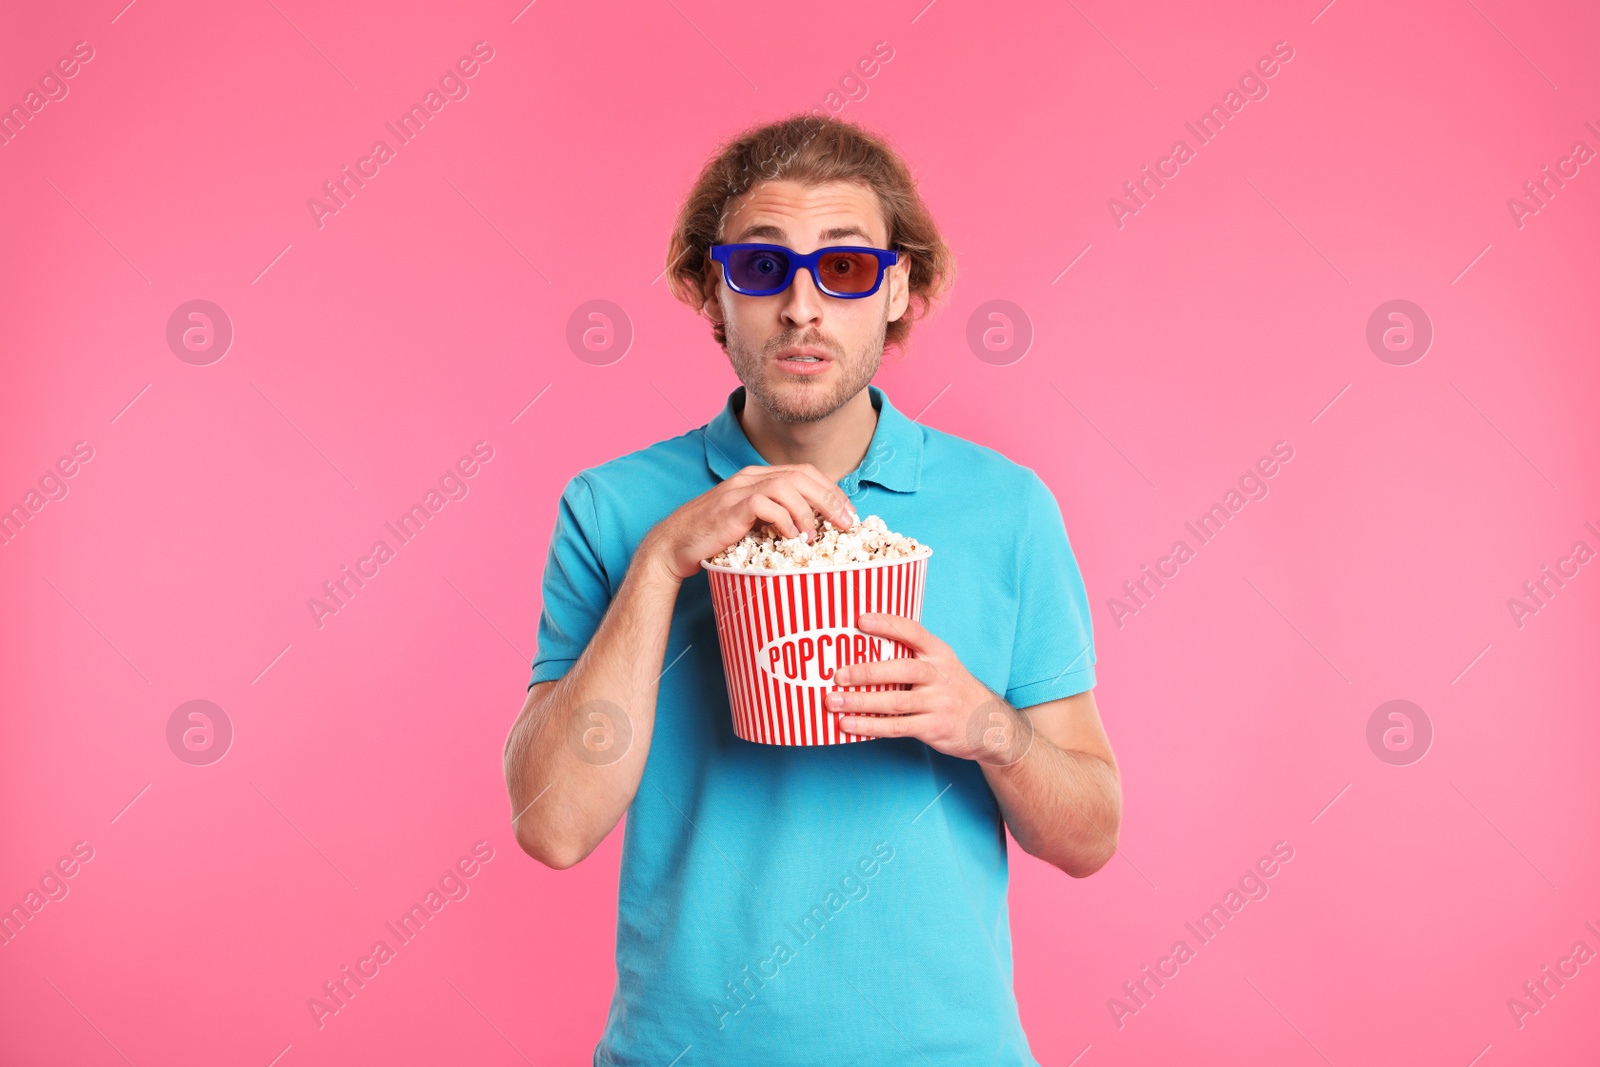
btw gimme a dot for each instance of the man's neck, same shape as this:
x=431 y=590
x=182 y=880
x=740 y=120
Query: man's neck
x=834 y=445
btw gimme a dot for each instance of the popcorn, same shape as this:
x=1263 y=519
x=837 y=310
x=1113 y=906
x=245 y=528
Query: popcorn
x=868 y=540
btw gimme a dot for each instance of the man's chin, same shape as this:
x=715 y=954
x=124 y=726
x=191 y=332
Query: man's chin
x=802 y=400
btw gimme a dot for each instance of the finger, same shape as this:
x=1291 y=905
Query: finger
x=908 y=632
x=762 y=508
x=811 y=471
x=884 y=726
x=824 y=496
x=882 y=671
x=821 y=495
x=888 y=702
x=783 y=490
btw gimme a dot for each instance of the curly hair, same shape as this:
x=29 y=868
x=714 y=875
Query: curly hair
x=811 y=150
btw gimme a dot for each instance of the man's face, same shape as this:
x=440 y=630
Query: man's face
x=848 y=334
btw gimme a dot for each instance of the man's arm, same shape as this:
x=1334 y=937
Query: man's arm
x=567 y=796
x=1051 y=767
x=576 y=753
x=1061 y=794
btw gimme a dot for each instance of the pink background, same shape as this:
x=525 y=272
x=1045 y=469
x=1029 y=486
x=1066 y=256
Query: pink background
x=369 y=354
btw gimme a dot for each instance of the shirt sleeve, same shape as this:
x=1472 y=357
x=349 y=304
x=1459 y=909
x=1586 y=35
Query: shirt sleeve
x=576 y=590
x=1052 y=654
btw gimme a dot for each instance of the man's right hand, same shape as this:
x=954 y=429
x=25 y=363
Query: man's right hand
x=781 y=498
x=620 y=669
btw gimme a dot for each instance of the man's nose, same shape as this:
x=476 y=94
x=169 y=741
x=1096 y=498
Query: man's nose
x=804 y=301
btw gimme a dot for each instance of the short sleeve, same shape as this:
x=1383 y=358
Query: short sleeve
x=1052 y=653
x=575 y=589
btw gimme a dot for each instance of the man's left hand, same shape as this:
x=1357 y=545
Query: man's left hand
x=946 y=707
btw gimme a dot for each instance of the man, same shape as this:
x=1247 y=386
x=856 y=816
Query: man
x=812 y=905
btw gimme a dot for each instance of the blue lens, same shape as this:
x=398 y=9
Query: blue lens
x=757 y=268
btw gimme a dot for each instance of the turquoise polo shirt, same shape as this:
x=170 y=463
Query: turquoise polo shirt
x=841 y=904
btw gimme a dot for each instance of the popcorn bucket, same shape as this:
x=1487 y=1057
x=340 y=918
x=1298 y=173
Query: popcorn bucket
x=783 y=633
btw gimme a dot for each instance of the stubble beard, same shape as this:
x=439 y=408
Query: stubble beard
x=800 y=398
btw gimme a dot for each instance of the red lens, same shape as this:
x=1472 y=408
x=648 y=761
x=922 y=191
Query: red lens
x=848 y=272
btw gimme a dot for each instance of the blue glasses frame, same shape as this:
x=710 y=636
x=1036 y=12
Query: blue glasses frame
x=805 y=261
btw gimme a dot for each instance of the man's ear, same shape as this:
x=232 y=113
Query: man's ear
x=710 y=302
x=898 y=279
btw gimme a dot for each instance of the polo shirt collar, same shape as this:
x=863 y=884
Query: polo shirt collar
x=893 y=459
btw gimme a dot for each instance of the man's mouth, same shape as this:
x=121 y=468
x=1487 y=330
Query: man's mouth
x=802 y=360
x=803 y=354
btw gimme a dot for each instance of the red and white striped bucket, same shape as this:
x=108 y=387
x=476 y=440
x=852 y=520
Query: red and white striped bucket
x=784 y=632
